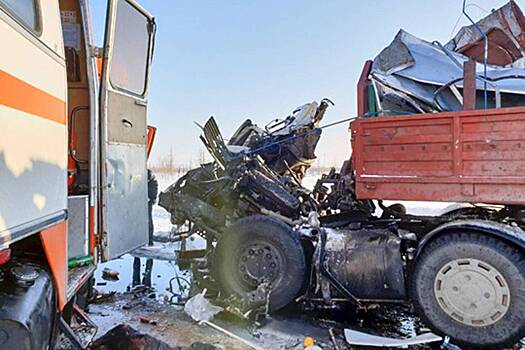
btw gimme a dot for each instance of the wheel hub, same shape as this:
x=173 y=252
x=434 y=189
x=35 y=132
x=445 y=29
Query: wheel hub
x=472 y=292
x=259 y=263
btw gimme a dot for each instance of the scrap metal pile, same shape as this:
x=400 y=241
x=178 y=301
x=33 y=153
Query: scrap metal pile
x=412 y=75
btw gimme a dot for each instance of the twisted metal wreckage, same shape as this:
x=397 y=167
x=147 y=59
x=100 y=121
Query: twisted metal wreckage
x=412 y=75
x=271 y=241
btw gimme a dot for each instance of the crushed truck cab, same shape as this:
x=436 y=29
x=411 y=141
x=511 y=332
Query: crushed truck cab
x=73 y=151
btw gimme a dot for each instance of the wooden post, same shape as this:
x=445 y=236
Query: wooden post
x=469 y=85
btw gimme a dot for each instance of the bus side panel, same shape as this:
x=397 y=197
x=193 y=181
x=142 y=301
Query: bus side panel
x=33 y=130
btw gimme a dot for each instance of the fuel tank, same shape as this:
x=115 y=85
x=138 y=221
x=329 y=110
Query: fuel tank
x=367 y=262
x=27 y=307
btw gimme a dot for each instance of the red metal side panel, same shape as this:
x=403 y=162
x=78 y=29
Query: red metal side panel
x=54 y=241
x=362 y=89
x=470 y=156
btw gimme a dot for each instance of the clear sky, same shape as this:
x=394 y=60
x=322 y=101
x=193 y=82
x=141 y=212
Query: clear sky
x=261 y=58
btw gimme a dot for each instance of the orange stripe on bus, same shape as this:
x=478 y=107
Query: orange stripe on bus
x=17 y=94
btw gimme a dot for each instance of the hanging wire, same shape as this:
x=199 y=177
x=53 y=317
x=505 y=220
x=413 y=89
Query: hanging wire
x=294 y=137
x=315 y=130
x=472 y=4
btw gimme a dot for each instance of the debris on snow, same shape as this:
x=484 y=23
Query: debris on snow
x=364 y=339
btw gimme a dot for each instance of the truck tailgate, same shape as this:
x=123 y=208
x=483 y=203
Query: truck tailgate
x=470 y=156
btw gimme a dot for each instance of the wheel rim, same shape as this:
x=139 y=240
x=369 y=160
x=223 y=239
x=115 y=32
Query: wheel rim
x=472 y=292
x=259 y=263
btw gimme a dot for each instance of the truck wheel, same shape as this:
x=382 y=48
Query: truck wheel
x=472 y=288
x=256 y=250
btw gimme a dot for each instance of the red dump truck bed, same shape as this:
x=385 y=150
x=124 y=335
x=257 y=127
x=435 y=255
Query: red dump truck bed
x=471 y=156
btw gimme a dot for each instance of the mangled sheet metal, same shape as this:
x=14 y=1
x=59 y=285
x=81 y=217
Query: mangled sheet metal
x=364 y=339
x=505 y=29
x=412 y=75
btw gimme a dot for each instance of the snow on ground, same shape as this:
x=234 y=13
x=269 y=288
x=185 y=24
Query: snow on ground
x=160 y=268
x=161 y=217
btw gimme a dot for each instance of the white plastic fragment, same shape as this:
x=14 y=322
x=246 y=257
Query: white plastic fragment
x=363 y=339
x=200 y=309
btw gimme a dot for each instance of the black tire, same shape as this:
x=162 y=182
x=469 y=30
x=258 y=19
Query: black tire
x=471 y=249
x=272 y=237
